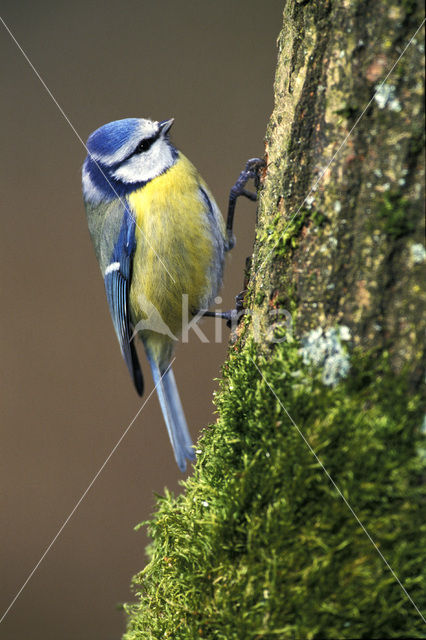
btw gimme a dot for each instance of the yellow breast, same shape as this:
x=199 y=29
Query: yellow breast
x=174 y=245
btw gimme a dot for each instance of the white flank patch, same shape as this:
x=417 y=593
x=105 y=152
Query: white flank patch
x=114 y=266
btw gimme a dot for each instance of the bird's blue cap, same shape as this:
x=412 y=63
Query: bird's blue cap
x=112 y=136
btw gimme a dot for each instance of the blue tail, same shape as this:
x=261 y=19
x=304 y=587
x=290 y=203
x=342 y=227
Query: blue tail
x=174 y=417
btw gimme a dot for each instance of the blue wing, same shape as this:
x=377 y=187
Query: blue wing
x=117 y=285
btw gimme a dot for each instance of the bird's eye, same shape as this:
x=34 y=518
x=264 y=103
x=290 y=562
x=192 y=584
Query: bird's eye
x=144 y=145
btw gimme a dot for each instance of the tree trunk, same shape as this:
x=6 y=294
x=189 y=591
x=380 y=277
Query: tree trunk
x=303 y=517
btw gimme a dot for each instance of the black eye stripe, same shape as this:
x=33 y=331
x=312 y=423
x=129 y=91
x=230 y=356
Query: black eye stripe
x=144 y=145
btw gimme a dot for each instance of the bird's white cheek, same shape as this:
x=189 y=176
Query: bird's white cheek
x=146 y=166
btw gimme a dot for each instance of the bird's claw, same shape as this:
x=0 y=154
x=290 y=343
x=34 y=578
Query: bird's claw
x=236 y=314
x=251 y=172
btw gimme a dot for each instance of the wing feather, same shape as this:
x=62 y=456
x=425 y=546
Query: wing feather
x=117 y=286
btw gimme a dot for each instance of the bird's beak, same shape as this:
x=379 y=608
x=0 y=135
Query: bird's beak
x=165 y=125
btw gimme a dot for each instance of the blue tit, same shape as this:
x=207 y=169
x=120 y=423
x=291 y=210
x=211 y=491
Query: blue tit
x=159 y=238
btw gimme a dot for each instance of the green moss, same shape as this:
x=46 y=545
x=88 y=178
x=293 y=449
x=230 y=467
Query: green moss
x=260 y=296
x=395 y=215
x=260 y=545
x=283 y=233
x=319 y=218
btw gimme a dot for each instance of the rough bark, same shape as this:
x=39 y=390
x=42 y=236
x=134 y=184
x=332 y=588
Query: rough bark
x=321 y=418
x=355 y=224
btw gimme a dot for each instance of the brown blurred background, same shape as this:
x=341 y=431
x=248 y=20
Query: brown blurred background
x=66 y=393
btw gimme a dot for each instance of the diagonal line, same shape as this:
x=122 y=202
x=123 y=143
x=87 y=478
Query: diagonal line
x=342 y=496
x=95 y=477
x=358 y=120
x=128 y=209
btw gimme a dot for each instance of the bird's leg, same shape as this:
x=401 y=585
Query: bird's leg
x=233 y=316
x=240 y=308
x=251 y=171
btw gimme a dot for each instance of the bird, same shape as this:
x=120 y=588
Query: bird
x=159 y=238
